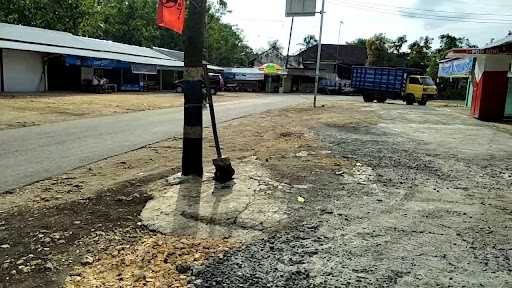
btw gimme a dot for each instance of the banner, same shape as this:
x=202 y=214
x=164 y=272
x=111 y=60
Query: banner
x=144 y=69
x=171 y=14
x=456 y=68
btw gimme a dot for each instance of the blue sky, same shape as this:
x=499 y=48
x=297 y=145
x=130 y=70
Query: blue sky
x=264 y=20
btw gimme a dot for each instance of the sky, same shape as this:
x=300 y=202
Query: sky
x=264 y=20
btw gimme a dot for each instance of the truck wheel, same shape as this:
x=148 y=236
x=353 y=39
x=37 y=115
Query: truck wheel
x=381 y=99
x=422 y=102
x=368 y=98
x=409 y=99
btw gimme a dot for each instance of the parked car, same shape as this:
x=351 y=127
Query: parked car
x=215 y=80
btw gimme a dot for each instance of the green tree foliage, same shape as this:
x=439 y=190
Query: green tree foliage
x=419 y=53
x=309 y=41
x=383 y=51
x=226 y=45
x=63 y=15
x=274 y=45
x=130 y=22
x=378 y=53
x=360 y=42
x=397 y=45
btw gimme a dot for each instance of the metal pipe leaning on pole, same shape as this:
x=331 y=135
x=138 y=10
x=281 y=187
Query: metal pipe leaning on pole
x=224 y=172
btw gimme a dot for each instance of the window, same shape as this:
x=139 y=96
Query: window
x=427 y=81
x=414 y=81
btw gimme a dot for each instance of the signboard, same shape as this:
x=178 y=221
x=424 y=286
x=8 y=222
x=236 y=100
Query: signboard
x=459 y=52
x=300 y=8
x=456 y=68
x=144 y=69
x=250 y=77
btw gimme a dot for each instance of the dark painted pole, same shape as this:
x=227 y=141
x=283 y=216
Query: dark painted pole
x=192 y=159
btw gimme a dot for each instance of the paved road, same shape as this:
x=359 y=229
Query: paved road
x=31 y=154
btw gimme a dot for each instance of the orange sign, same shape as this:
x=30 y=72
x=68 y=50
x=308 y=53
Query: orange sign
x=171 y=14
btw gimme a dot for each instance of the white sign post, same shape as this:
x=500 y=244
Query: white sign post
x=300 y=8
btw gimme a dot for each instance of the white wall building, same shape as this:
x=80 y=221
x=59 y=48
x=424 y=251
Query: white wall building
x=22 y=71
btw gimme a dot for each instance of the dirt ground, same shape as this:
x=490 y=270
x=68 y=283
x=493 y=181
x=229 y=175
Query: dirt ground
x=22 y=110
x=375 y=195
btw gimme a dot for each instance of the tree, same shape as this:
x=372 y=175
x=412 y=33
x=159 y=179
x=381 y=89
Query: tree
x=360 y=42
x=397 y=45
x=63 y=15
x=420 y=51
x=226 y=45
x=377 y=46
x=274 y=45
x=309 y=41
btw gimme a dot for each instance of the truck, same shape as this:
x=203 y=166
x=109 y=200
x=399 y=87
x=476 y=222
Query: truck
x=382 y=83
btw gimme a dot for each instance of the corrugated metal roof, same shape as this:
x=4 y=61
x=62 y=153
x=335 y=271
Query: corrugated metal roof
x=180 y=56
x=177 y=55
x=500 y=42
x=49 y=41
x=88 y=53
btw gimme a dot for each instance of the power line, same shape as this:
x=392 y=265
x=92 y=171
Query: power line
x=427 y=10
x=422 y=16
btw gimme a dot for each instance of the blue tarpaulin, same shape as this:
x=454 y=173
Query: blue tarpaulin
x=456 y=68
x=96 y=62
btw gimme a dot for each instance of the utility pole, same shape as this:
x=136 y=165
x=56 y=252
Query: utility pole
x=319 y=55
x=338 y=49
x=289 y=44
x=192 y=158
x=287 y=56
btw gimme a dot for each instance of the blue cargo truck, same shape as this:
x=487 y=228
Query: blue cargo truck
x=382 y=83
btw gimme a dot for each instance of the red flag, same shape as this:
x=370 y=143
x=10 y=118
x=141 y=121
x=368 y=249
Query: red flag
x=171 y=14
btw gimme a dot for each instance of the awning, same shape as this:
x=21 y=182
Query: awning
x=88 y=53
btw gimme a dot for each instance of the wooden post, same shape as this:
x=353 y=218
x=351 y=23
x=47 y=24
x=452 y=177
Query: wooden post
x=192 y=157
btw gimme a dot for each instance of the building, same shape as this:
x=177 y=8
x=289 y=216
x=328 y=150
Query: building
x=38 y=60
x=335 y=64
x=268 y=56
x=491 y=79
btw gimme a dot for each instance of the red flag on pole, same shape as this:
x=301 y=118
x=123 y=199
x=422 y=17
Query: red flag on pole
x=171 y=14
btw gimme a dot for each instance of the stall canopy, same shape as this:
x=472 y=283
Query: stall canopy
x=454 y=68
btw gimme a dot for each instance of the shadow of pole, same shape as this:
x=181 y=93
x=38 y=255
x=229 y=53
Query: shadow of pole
x=187 y=208
x=219 y=192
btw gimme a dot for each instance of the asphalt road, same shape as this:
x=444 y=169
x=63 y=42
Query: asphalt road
x=35 y=153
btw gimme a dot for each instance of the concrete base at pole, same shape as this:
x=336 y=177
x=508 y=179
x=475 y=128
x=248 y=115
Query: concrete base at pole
x=241 y=209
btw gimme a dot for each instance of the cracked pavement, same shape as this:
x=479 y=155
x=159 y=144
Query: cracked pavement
x=426 y=203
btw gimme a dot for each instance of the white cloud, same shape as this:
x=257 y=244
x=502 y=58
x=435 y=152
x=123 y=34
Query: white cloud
x=264 y=20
